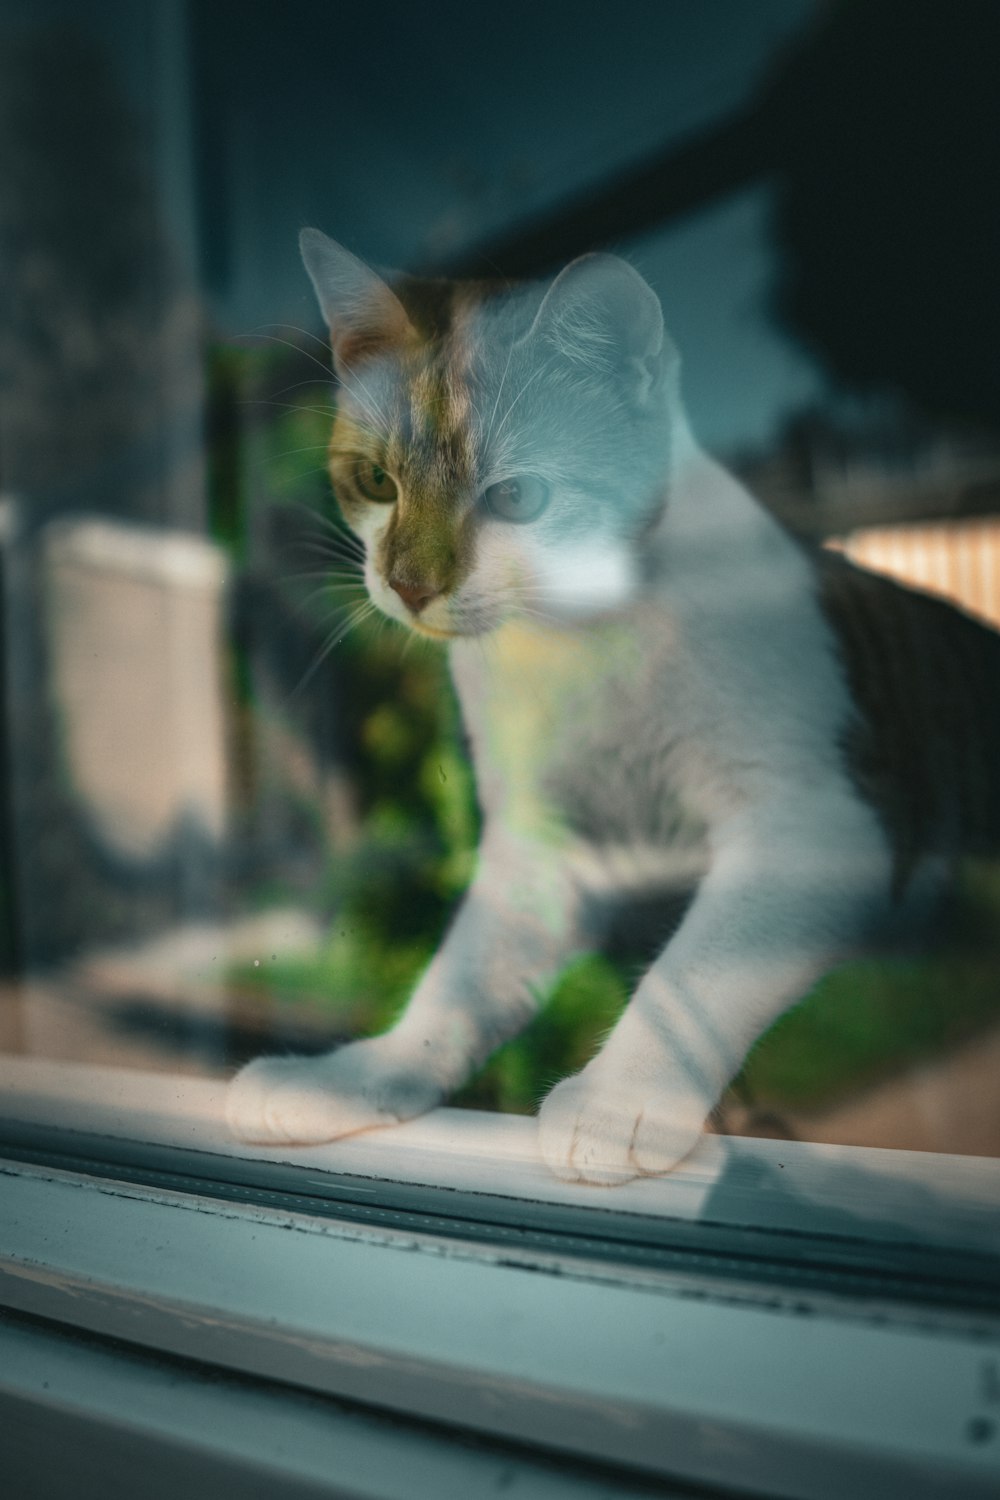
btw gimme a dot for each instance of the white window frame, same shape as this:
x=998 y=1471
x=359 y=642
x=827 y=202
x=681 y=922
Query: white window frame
x=684 y=1374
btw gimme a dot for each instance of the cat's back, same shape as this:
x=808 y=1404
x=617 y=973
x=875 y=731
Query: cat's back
x=924 y=740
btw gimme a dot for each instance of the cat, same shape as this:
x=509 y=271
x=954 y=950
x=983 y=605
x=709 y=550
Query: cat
x=661 y=688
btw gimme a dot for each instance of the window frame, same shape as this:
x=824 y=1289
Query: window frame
x=681 y=1367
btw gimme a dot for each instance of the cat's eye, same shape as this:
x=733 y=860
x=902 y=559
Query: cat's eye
x=373 y=482
x=520 y=499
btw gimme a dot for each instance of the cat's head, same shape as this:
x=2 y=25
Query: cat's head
x=499 y=450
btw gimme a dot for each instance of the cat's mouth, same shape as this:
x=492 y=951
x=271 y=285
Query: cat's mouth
x=469 y=622
x=433 y=631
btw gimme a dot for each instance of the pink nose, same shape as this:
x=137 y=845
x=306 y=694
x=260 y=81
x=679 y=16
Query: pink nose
x=416 y=596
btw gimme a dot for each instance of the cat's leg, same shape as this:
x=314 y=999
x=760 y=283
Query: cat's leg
x=792 y=890
x=518 y=924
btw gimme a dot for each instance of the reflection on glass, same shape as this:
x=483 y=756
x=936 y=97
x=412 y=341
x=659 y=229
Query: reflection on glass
x=240 y=813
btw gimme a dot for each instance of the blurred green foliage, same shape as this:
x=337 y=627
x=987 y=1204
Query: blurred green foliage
x=879 y=1016
x=584 y=1005
x=390 y=895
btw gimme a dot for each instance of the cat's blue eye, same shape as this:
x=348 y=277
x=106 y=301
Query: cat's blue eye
x=520 y=499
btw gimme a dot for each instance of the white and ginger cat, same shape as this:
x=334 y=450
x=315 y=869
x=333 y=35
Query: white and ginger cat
x=661 y=689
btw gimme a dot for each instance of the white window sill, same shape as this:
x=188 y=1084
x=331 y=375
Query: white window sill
x=883 y=1195
x=669 y=1374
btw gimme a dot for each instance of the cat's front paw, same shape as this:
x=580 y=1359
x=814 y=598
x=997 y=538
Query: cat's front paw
x=308 y=1100
x=602 y=1126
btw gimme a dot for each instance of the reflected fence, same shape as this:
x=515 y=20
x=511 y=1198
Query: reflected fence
x=119 y=853
x=956 y=560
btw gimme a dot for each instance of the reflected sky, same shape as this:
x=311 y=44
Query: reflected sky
x=413 y=132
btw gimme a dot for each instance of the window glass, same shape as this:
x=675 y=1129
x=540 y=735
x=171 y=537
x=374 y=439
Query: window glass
x=239 y=803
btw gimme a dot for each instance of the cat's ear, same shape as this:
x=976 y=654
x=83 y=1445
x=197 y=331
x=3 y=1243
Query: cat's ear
x=363 y=314
x=601 y=314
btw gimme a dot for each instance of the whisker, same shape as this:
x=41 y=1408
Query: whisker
x=356 y=580
x=411 y=636
x=355 y=617
x=273 y=337
x=309 y=448
x=337 y=571
x=294 y=328
x=503 y=379
x=330 y=581
x=298 y=385
x=324 y=590
x=522 y=392
x=352 y=380
x=325 y=565
x=483 y=641
x=273 y=458
x=328 y=546
x=282 y=484
x=382 y=624
x=336 y=527
x=335 y=530
x=286 y=406
x=325 y=549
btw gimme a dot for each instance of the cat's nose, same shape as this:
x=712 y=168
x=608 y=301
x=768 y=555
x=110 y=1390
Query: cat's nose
x=416 y=596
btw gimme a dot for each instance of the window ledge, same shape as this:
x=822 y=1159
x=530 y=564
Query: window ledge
x=663 y=1375
x=870 y=1193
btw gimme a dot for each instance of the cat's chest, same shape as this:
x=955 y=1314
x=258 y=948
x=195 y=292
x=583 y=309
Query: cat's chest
x=585 y=733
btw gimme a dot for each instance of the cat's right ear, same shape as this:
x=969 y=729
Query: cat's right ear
x=603 y=317
x=363 y=314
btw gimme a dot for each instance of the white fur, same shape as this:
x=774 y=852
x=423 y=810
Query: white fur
x=584 y=578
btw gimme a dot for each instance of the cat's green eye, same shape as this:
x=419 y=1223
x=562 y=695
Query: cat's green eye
x=520 y=499
x=373 y=482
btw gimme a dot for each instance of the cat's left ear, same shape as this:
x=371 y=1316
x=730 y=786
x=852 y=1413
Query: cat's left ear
x=601 y=314
x=363 y=314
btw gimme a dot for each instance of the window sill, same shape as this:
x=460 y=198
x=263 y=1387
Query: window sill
x=672 y=1367
x=877 y=1196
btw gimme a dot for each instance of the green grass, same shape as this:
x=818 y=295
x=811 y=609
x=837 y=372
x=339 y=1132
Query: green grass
x=583 y=1007
x=355 y=983
x=877 y=1017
